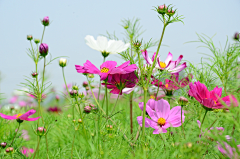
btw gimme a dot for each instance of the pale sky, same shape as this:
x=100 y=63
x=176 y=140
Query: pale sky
x=72 y=20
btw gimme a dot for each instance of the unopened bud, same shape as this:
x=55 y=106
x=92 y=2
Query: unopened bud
x=81 y=95
x=189 y=144
x=87 y=109
x=3 y=144
x=170 y=12
x=90 y=76
x=45 y=21
x=29 y=37
x=126 y=27
x=75 y=87
x=36 y=41
x=41 y=129
x=236 y=36
x=73 y=93
x=57 y=98
x=74 y=121
x=69 y=116
x=9 y=149
x=183 y=101
x=62 y=62
x=34 y=74
x=79 y=120
x=85 y=84
x=43 y=49
x=162 y=9
x=87 y=88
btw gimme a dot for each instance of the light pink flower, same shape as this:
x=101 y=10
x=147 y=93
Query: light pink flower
x=27 y=151
x=168 y=64
x=229 y=151
x=21 y=116
x=22 y=104
x=13 y=99
x=161 y=116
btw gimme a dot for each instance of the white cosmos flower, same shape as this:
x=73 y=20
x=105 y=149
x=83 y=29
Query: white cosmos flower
x=103 y=45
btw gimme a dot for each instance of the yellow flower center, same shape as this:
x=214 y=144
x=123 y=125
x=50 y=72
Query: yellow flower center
x=104 y=70
x=166 y=85
x=161 y=121
x=19 y=115
x=162 y=64
x=152 y=96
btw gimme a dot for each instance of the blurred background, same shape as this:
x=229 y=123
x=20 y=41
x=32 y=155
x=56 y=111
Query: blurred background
x=72 y=20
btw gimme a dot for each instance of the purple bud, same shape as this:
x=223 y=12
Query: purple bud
x=3 y=144
x=236 y=36
x=85 y=84
x=183 y=101
x=87 y=109
x=41 y=129
x=43 y=49
x=34 y=74
x=73 y=93
x=57 y=97
x=45 y=21
x=9 y=149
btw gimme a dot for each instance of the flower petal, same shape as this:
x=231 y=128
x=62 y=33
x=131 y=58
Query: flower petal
x=162 y=108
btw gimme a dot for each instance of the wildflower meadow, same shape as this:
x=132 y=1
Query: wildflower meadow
x=146 y=107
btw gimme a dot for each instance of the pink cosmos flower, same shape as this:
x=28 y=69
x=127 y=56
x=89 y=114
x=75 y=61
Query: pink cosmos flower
x=22 y=104
x=169 y=65
x=161 y=116
x=210 y=99
x=229 y=151
x=21 y=116
x=35 y=96
x=13 y=99
x=108 y=67
x=54 y=109
x=27 y=151
x=220 y=129
x=173 y=83
x=118 y=82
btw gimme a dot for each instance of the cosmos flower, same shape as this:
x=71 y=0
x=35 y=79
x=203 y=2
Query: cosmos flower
x=21 y=116
x=161 y=116
x=118 y=82
x=210 y=99
x=27 y=151
x=54 y=109
x=229 y=151
x=168 y=64
x=104 y=46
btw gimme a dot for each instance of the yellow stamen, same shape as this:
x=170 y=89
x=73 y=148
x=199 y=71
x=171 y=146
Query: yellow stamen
x=162 y=64
x=104 y=70
x=161 y=121
x=152 y=96
x=166 y=85
x=19 y=115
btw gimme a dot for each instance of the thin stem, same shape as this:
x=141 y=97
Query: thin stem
x=157 y=92
x=212 y=124
x=182 y=122
x=234 y=124
x=144 y=114
x=42 y=34
x=73 y=143
x=15 y=134
x=203 y=119
x=37 y=148
x=99 y=89
x=115 y=104
x=106 y=98
x=131 y=112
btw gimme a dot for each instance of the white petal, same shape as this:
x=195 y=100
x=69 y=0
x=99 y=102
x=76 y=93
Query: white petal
x=102 y=43
x=91 y=42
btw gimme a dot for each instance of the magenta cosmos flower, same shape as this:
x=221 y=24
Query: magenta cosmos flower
x=161 y=116
x=168 y=64
x=210 y=99
x=27 y=151
x=21 y=116
x=118 y=82
x=108 y=67
x=173 y=83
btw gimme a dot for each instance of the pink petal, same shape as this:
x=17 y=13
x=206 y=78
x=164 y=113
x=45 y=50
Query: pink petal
x=159 y=130
x=125 y=64
x=128 y=90
x=209 y=103
x=140 y=104
x=178 y=68
x=162 y=108
x=8 y=117
x=32 y=119
x=152 y=113
x=91 y=68
x=146 y=57
x=199 y=123
x=169 y=58
x=148 y=122
x=179 y=59
x=115 y=91
x=27 y=114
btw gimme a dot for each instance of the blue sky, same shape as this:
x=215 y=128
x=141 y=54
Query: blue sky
x=72 y=20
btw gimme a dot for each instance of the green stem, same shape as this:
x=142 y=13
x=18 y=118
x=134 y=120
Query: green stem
x=106 y=92
x=203 y=119
x=42 y=34
x=144 y=114
x=15 y=134
x=99 y=89
x=115 y=105
x=131 y=112
x=182 y=122
x=37 y=148
x=73 y=143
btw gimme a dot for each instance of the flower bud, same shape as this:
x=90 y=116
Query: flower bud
x=105 y=54
x=170 y=12
x=85 y=84
x=79 y=120
x=73 y=93
x=162 y=9
x=41 y=129
x=87 y=88
x=57 y=97
x=73 y=120
x=45 y=21
x=75 y=87
x=87 y=109
x=90 y=76
x=137 y=44
x=34 y=74
x=69 y=116
x=236 y=36
x=3 y=144
x=81 y=95
x=43 y=49
x=9 y=149
x=62 y=62
x=189 y=144
x=29 y=37
x=126 y=27
x=36 y=41
x=183 y=101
